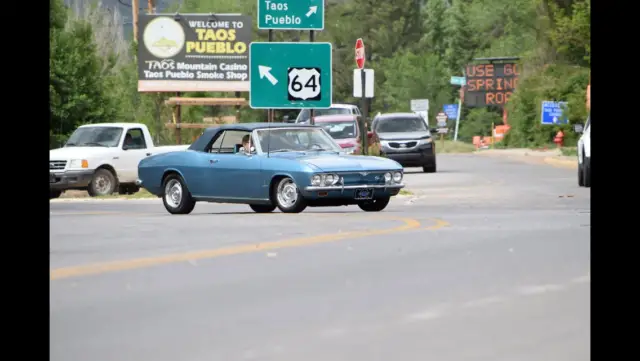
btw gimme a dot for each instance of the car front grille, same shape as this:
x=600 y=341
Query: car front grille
x=57 y=164
x=401 y=145
x=363 y=178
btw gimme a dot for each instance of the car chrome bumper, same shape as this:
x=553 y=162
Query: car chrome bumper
x=358 y=186
x=138 y=182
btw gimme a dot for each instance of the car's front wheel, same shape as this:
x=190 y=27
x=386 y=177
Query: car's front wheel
x=374 y=205
x=54 y=194
x=103 y=183
x=581 y=173
x=262 y=208
x=176 y=196
x=288 y=197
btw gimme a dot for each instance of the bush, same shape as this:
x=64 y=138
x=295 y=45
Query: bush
x=553 y=83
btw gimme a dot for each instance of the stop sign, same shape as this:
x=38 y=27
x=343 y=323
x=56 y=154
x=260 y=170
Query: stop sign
x=360 y=53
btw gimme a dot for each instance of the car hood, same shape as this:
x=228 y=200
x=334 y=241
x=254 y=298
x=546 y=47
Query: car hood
x=349 y=142
x=342 y=162
x=77 y=152
x=404 y=135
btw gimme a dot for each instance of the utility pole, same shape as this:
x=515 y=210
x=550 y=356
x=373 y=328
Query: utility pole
x=135 y=5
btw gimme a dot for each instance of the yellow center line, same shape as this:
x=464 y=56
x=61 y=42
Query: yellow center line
x=98 y=268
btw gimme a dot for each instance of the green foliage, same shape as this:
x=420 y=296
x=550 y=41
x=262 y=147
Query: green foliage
x=555 y=83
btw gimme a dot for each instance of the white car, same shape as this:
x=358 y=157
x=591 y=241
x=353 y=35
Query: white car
x=102 y=158
x=584 y=155
x=336 y=109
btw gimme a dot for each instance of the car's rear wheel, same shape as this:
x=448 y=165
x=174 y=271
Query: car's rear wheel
x=176 y=196
x=374 y=205
x=54 y=194
x=262 y=208
x=287 y=196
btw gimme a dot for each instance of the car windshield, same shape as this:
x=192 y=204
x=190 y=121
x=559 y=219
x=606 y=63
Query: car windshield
x=296 y=140
x=95 y=137
x=339 y=130
x=398 y=125
x=305 y=114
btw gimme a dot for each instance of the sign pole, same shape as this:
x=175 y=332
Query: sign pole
x=455 y=135
x=312 y=112
x=135 y=6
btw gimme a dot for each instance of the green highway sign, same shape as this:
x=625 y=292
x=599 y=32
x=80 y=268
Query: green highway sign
x=291 y=14
x=458 y=80
x=290 y=75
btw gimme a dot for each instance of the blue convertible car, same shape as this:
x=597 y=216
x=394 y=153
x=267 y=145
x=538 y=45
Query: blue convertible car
x=289 y=166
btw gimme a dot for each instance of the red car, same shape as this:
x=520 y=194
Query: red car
x=344 y=129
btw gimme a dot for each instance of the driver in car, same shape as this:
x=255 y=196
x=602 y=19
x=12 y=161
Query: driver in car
x=246 y=144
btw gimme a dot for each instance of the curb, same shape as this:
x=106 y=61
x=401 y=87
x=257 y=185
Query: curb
x=561 y=163
x=98 y=200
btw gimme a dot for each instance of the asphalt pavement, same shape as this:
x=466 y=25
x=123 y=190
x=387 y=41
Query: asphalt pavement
x=489 y=259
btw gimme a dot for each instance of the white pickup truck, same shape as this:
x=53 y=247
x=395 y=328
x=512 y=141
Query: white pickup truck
x=102 y=159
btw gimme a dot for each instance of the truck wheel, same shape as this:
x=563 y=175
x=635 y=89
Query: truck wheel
x=176 y=196
x=581 y=173
x=288 y=197
x=54 y=194
x=587 y=171
x=102 y=184
x=374 y=205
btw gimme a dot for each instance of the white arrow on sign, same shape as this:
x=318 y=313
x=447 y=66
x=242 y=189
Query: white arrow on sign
x=266 y=71
x=312 y=10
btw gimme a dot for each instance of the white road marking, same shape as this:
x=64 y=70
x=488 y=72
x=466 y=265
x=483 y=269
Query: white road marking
x=582 y=279
x=539 y=289
x=425 y=315
x=485 y=301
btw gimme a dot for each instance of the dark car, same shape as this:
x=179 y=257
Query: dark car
x=405 y=138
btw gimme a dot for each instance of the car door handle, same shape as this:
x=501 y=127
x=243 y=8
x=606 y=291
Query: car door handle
x=148 y=154
x=213 y=161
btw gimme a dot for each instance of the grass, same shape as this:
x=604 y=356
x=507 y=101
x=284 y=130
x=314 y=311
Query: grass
x=450 y=146
x=404 y=192
x=141 y=194
x=569 y=151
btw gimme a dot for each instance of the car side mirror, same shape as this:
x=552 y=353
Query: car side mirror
x=125 y=147
x=578 y=128
x=433 y=130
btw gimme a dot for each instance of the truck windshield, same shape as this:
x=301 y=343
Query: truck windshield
x=400 y=125
x=95 y=137
x=305 y=115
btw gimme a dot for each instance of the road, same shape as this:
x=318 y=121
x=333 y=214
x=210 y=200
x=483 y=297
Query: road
x=489 y=260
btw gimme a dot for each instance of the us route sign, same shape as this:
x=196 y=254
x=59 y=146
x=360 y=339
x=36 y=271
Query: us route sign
x=290 y=75
x=291 y=14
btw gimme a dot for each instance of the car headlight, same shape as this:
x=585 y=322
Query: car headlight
x=315 y=180
x=78 y=163
x=425 y=141
x=331 y=179
x=387 y=177
x=397 y=177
